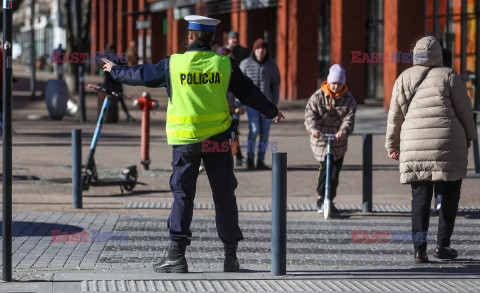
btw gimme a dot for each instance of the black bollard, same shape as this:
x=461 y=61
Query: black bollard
x=7 y=144
x=476 y=155
x=279 y=214
x=77 y=168
x=367 y=173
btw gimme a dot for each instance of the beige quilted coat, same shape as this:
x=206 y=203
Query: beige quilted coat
x=432 y=132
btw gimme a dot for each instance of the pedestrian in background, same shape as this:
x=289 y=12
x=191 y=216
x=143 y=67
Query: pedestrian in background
x=57 y=60
x=132 y=54
x=239 y=53
x=265 y=74
x=216 y=46
x=430 y=128
x=330 y=110
x=236 y=110
x=108 y=82
x=437 y=188
x=199 y=127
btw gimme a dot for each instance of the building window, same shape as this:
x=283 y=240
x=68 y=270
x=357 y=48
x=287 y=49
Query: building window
x=374 y=76
x=324 y=47
x=447 y=20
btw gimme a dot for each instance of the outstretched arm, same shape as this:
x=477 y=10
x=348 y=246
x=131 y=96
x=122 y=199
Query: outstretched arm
x=149 y=75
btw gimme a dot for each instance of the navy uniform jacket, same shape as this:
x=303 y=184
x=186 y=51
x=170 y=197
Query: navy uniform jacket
x=158 y=75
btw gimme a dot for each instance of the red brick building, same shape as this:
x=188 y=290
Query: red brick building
x=304 y=36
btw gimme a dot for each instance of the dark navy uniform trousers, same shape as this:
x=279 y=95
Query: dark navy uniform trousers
x=218 y=162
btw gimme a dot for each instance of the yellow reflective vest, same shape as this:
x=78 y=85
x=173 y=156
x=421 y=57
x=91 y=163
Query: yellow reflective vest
x=198 y=107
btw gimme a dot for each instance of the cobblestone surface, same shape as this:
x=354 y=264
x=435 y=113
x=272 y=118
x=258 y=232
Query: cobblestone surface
x=138 y=241
x=116 y=252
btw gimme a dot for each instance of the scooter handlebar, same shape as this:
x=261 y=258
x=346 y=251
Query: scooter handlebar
x=98 y=88
x=328 y=136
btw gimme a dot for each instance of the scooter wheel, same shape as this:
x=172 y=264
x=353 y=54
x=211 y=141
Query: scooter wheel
x=327 y=210
x=131 y=179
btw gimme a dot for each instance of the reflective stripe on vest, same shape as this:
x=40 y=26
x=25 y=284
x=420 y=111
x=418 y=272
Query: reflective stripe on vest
x=198 y=108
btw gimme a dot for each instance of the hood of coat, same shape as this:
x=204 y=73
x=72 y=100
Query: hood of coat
x=428 y=52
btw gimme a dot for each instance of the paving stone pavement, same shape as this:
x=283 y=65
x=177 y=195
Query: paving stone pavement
x=116 y=252
x=321 y=255
x=290 y=207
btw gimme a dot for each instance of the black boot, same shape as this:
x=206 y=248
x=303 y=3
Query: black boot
x=174 y=262
x=262 y=166
x=231 y=262
x=250 y=164
x=421 y=257
x=445 y=253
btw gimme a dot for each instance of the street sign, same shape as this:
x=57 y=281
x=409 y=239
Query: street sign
x=257 y=4
x=7 y=4
x=180 y=13
x=144 y=24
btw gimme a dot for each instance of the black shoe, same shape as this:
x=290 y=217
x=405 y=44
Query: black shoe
x=173 y=262
x=262 y=166
x=445 y=253
x=319 y=205
x=231 y=261
x=421 y=257
x=167 y=265
x=250 y=164
x=238 y=162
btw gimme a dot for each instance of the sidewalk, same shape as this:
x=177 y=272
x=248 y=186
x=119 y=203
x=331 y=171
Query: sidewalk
x=321 y=254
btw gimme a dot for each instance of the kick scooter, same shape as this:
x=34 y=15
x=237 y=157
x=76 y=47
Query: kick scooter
x=327 y=203
x=128 y=178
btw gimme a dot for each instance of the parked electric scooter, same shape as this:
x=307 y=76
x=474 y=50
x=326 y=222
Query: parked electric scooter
x=327 y=203
x=128 y=178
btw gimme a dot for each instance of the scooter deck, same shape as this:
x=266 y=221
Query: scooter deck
x=109 y=182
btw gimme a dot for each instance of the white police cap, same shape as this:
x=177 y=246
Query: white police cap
x=202 y=23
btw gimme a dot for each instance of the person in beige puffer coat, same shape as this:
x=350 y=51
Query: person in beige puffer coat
x=430 y=130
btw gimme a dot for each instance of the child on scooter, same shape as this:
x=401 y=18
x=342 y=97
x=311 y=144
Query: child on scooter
x=330 y=110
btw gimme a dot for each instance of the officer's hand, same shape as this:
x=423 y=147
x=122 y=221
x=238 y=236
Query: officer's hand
x=469 y=144
x=239 y=111
x=108 y=65
x=279 y=117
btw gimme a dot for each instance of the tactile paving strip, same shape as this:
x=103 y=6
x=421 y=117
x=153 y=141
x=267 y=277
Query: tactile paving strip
x=290 y=207
x=285 y=285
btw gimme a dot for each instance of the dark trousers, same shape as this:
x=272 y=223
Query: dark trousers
x=421 y=198
x=218 y=163
x=336 y=166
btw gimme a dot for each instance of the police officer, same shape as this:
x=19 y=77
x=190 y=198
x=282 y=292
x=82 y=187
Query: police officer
x=199 y=126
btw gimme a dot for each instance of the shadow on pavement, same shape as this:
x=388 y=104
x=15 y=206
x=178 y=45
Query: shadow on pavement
x=469 y=214
x=353 y=214
x=132 y=193
x=26 y=229
x=471 y=268
x=22 y=177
